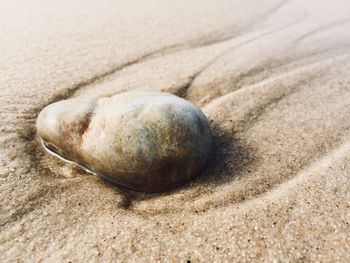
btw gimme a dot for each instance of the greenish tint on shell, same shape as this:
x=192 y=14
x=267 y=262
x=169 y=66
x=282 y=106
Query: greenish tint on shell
x=146 y=141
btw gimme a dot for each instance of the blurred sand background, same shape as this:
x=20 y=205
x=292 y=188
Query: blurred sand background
x=272 y=76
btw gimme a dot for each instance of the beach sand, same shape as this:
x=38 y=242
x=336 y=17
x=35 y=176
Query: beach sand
x=273 y=78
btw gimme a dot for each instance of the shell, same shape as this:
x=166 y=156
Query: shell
x=145 y=141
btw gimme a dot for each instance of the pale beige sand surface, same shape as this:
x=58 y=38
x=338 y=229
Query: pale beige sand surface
x=272 y=76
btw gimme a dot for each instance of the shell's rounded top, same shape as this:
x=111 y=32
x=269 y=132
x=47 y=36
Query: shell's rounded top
x=147 y=141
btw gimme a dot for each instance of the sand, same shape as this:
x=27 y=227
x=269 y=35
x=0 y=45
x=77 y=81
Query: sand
x=271 y=76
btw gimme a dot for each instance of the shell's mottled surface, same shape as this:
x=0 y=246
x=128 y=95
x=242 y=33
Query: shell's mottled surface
x=146 y=141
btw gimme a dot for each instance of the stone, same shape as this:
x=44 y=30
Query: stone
x=142 y=140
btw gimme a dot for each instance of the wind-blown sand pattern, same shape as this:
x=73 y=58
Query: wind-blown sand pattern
x=271 y=76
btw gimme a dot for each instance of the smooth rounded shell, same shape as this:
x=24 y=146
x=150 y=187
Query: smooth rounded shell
x=146 y=141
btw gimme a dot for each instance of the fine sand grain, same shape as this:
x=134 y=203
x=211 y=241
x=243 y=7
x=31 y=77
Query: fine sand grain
x=273 y=78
